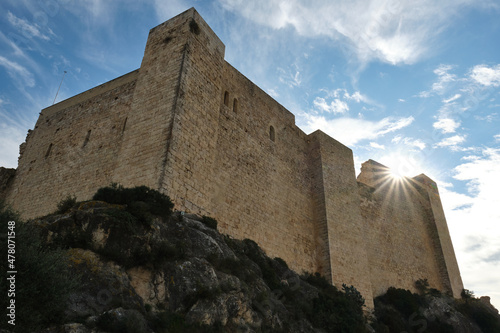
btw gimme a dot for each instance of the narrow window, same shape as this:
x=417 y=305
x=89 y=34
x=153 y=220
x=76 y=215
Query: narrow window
x=87 y=138
x=226 y=98
x=48 y=150
x=271 y=133
x=124 y=125
x=235 y=105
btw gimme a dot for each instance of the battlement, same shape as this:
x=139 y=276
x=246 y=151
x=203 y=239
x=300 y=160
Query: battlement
x=190 y=125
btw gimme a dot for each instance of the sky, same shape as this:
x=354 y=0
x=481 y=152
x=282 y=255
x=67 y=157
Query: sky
x=414 y=85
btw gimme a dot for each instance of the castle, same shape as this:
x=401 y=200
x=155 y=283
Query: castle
x=190 y=125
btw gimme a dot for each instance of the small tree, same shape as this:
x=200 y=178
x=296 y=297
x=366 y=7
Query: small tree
x=353 y=294
x=422 y=286
x=467 y=295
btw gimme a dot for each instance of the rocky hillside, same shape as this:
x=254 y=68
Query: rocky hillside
x=131 y=265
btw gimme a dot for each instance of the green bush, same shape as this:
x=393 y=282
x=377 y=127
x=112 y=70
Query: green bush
x=317 y=280
x=269 y=274
x=44 y=280
x=422 y=286
x=333 y=310
x=140 y=201
x=403 y=301
x=66 y=204
x=7 y=214
x=209 y=222
x=388 y=319
x=354 y=294
x=337 y=313
x=281 y=262
x=467 y=294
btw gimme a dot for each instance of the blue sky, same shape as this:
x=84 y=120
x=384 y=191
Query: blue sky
x=414 y=85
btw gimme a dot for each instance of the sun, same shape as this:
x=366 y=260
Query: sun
x=396 y=175
x=401 y=166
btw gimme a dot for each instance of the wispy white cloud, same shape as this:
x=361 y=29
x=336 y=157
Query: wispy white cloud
x=29 y=29
x=497 y=137
x=350 y=131
x=17 y=72
x=451 y=142
x=290 y=78
x=273 y=93
x=453 y=98
x=335 y=106
x=487 y=76
x=489 y=118
x=462 y=96
x=446 y=125
x=337 y=101
x=356 y=96
x=444 y=78
x=390 y=31
x=417 y=143
x=377 y=146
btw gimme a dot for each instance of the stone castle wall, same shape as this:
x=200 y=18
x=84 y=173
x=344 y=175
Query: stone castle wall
x=190 y=125
x=73 y=148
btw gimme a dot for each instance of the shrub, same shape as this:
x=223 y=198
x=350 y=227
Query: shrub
x=333 y=310
x=403 y=301
x=317 y=280
x=354 y=294
x=422 y=286
x=467 y=294
x=66 y=204
x=141 y=201
x=7 y=214
x=281 y=262
x=254 y=253
x=337 y=313
x=388 y=319
x=209 y=222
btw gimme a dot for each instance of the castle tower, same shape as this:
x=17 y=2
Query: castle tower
x=342 y=229
x=445 y=253
x=175 y=108
x=407 y=235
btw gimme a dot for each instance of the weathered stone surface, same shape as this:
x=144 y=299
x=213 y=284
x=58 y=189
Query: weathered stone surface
x=179 y=267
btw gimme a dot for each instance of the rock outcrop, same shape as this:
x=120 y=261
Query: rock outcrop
x=181 y=275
